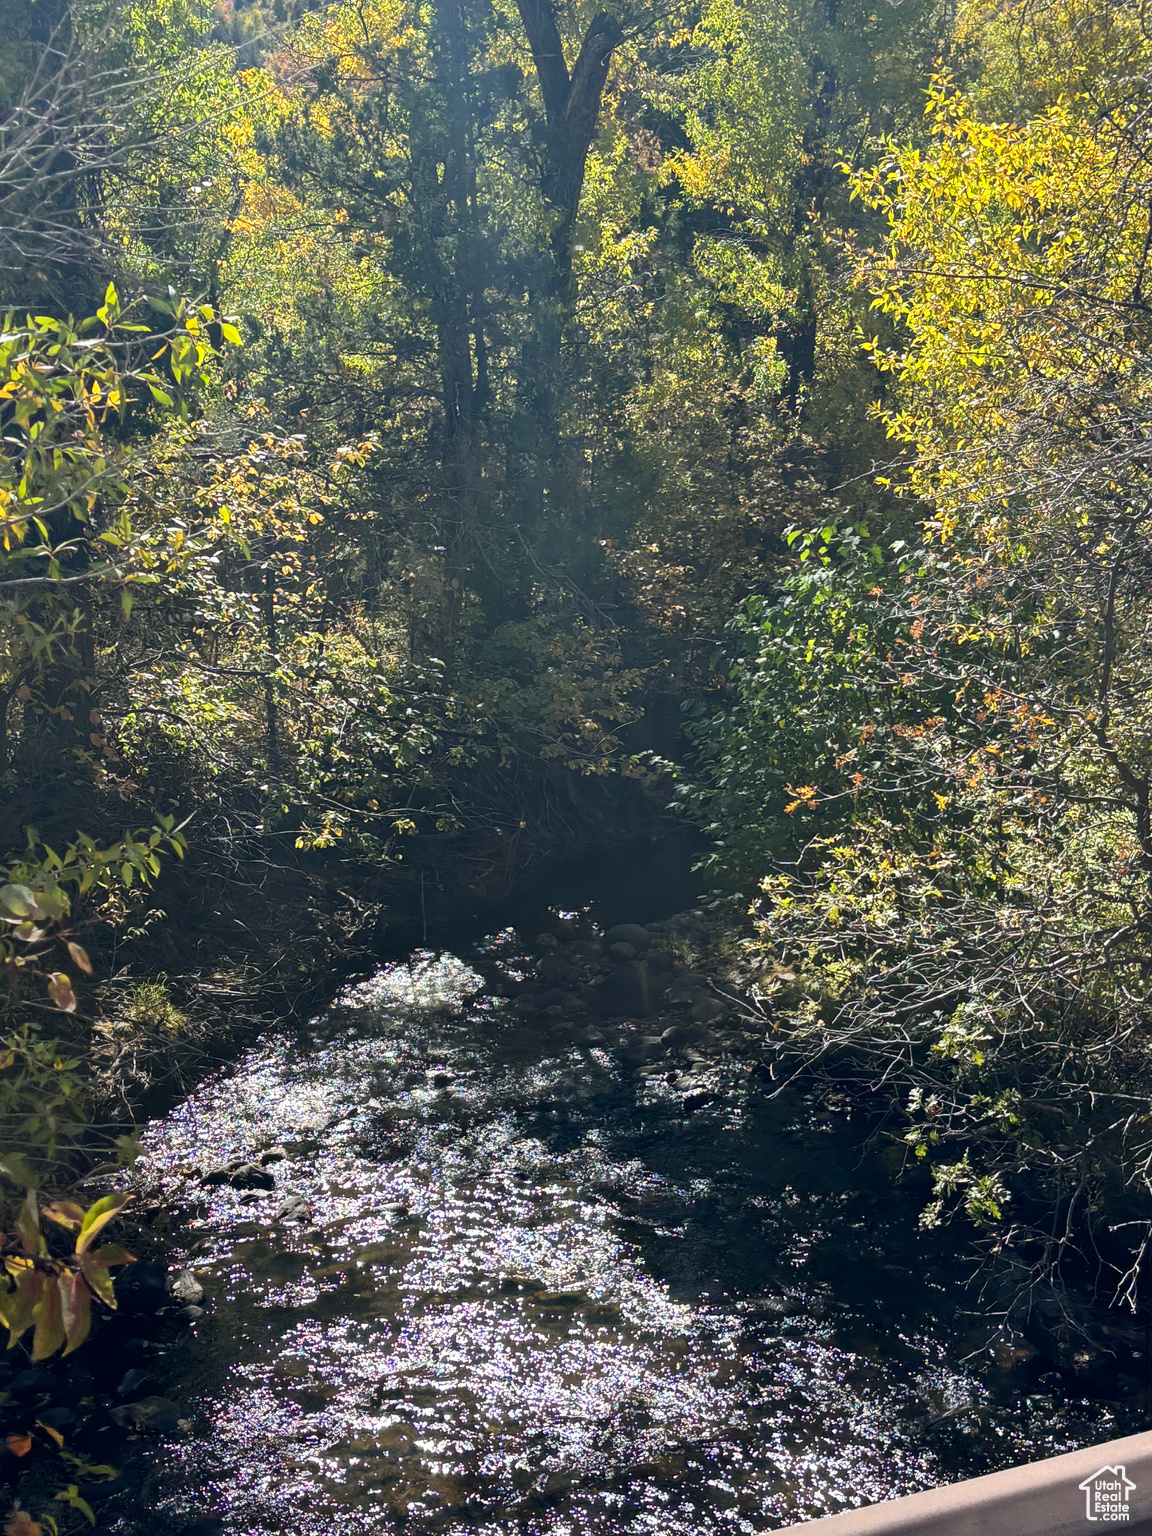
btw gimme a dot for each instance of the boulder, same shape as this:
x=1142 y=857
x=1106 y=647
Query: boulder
x=554 y=968
x=240 y=1173
x=295 y=1208
x=132 y=1381
x=641 y=1048
x=58 y=1418
x=708 y=1010
x=679 y=1034
x=155 y=1413
x=32 y=1383
x=628 y=933
x=141 y=1287
x=184 y=1287
x=698 y=1100
x=626 y=990
x=558 y=1299
x=621 y=952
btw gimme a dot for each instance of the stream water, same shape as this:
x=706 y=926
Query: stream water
x=532 y=1291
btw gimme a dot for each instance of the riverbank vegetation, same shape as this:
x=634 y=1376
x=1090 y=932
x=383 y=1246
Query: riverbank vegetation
x=412 y=414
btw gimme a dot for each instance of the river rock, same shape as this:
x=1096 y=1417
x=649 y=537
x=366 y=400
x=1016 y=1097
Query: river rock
x=554 y=968
x=521 y=1284
x=140 y=1349
x=660 y=962
x=206 y=1525
x=680 y=1034
x=533 y=1003
x=294 y=1208
x=621 y=952
x=32 y=1383
x=558 y=1299
x=628 y=933
x=708 y=1010
x=641 y=1048
x=625 y=991
x=556 y=995
x=189 y=1315
x=272 y=1155
x=132 y=1381
x=184 y=1287
x=698 y=1099
x=240 y=1173
x=155 y=1413
x=142 y=1286
x=60 y=1418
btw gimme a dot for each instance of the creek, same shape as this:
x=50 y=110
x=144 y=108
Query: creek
x=529 y=1289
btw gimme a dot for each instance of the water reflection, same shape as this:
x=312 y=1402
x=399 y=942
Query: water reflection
x=502 y=1286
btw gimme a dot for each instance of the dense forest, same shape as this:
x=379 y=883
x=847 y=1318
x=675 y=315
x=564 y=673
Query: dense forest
x=435 y=435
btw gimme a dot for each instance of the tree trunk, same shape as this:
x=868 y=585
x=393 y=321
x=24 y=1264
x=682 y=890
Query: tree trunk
x=572 y=109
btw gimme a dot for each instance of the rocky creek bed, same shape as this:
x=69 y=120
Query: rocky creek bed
x=515 y=1239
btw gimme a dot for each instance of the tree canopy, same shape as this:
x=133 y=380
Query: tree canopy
x=413 y=412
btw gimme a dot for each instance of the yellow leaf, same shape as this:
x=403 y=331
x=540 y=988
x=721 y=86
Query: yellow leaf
x=65 y=1213
x=49 y=1334
x=61 y=993
x=76 y=1307
x=80 y=957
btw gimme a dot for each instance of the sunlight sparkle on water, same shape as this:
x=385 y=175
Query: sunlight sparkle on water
x=527 y=1297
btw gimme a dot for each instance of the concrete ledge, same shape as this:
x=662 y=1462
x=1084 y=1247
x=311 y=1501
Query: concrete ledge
x=1044 y=1498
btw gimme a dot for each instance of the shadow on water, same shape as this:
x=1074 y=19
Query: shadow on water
x=649 y=875
x=503 y=1285
x=641 y=878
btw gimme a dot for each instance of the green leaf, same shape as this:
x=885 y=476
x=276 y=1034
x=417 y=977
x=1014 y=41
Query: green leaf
x=18 y=1169
x=20 y=901
x=97 y=1218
